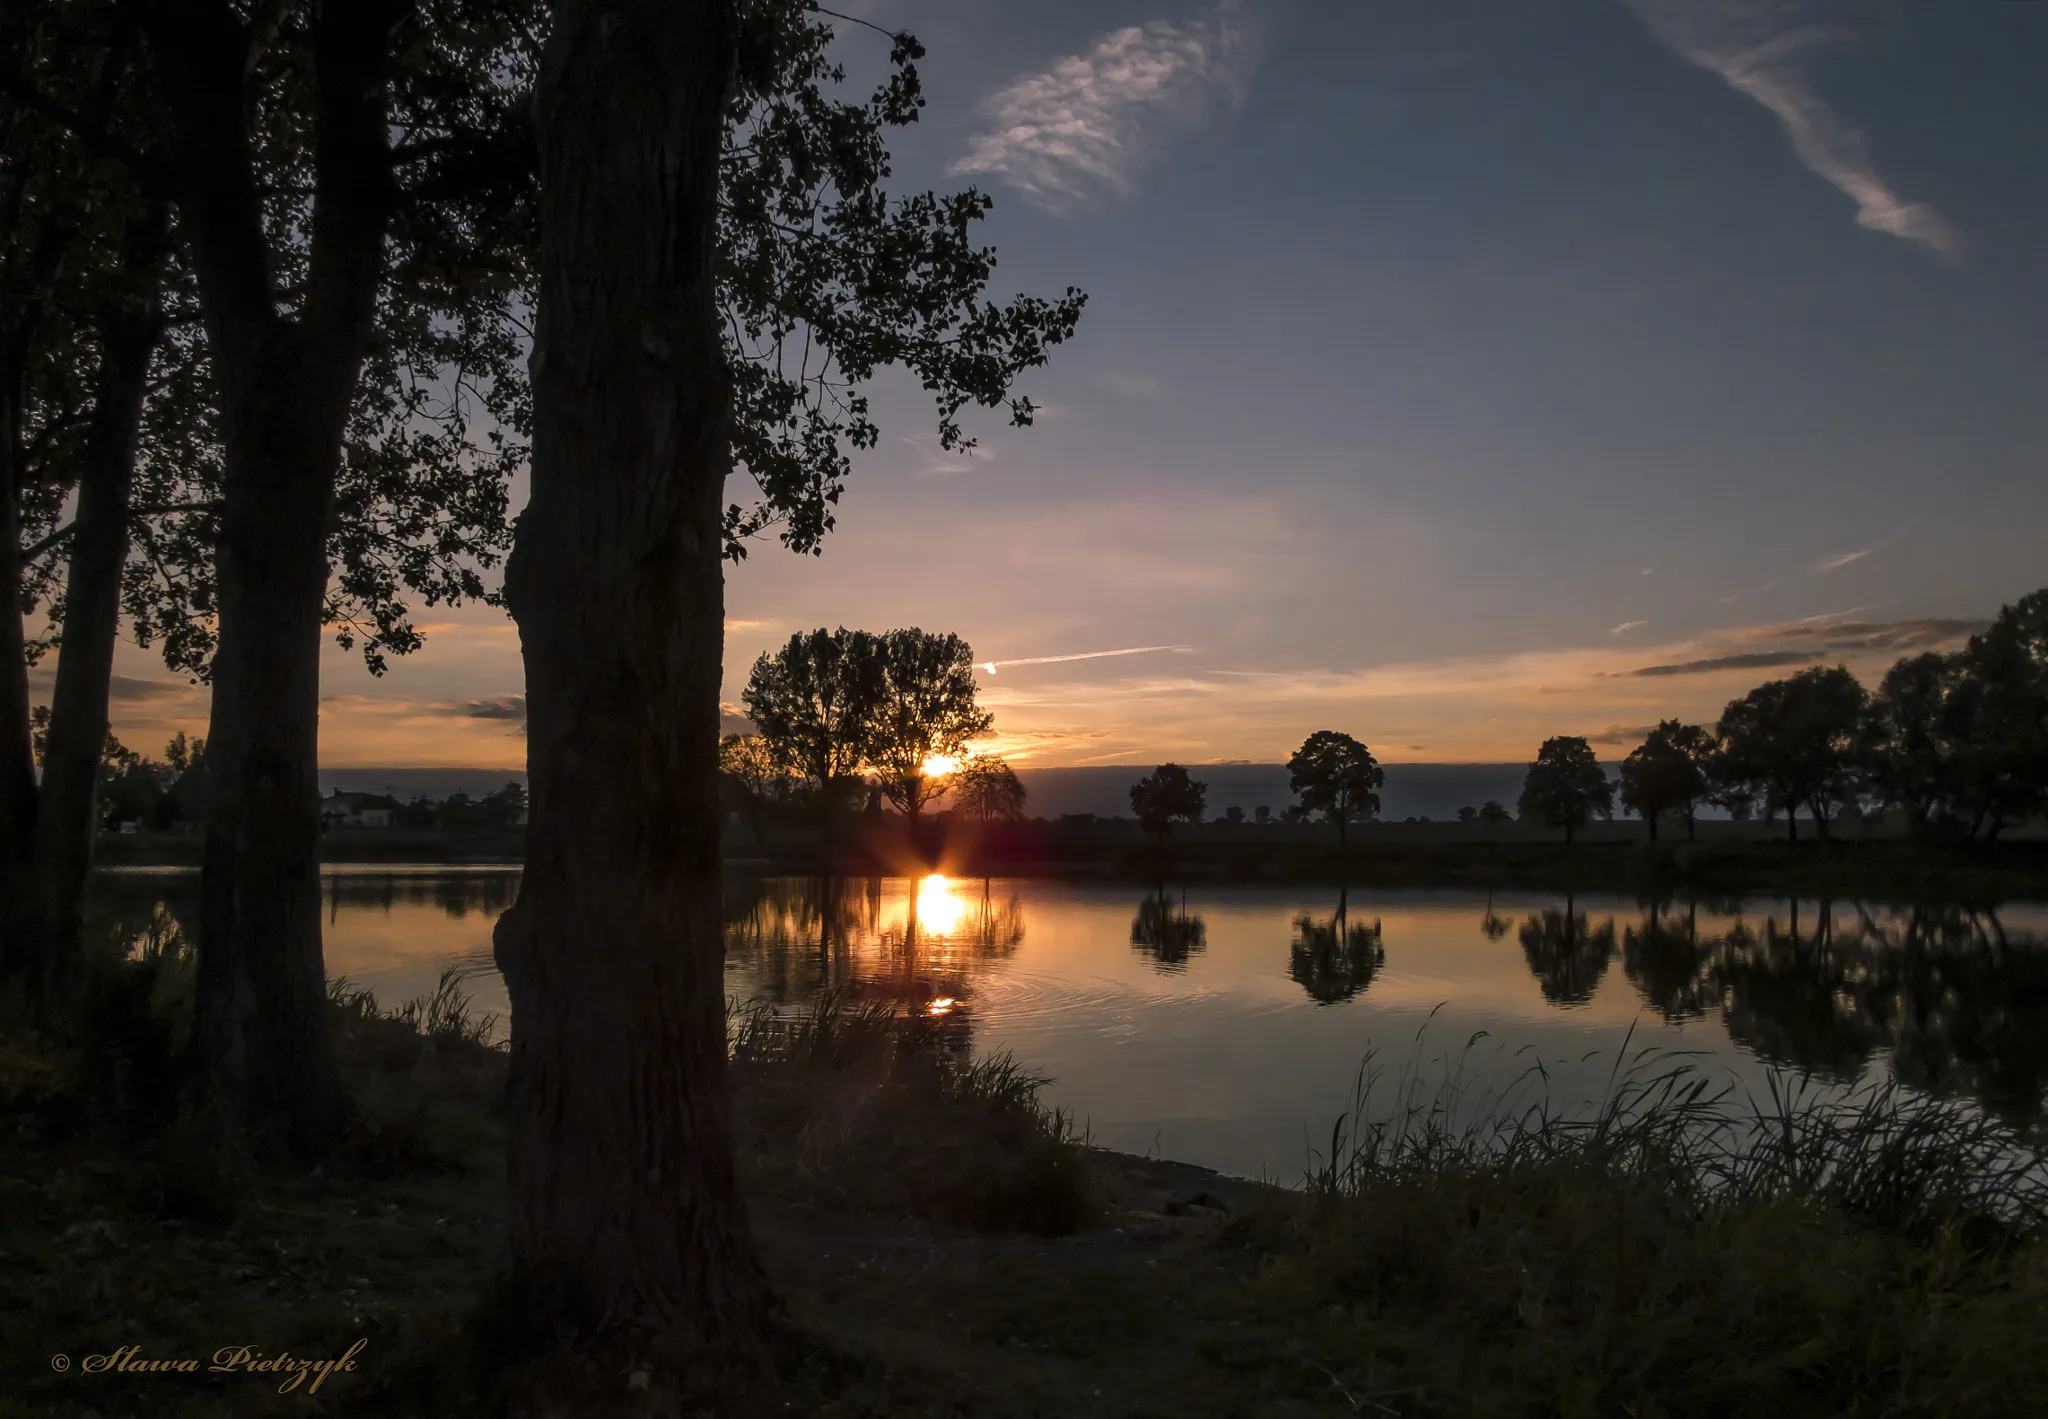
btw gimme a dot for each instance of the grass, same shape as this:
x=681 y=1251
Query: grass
x=946 y=1244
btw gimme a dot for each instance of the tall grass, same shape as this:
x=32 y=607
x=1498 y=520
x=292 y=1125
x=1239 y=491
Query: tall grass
x=863 y=1105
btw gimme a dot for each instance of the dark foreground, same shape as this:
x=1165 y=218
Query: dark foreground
x=945 y=1246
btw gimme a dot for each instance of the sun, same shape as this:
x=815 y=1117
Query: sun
x=939 y=765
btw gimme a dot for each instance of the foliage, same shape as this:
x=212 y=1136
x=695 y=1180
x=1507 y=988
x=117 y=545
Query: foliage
x=814 y=702
x=1336 y=776
x=826 y=279
x=1795 y=744
x=1667 y=772
x=1167 y=796
x=1493 y=814
x=1565 y=786
x=924 y=708
x=988 y=788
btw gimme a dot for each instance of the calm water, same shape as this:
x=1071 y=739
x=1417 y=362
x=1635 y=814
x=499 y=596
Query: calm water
x=1226 y=1026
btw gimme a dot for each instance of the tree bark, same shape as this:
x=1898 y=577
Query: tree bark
x=1650 y=818
x=625 y=1216
x=285 y=385
x=67 y=815
x=17 y=752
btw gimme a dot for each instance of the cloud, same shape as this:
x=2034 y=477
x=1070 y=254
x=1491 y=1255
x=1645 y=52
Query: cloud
x=1754 y=48
x=511 y=707
x=1842 y=559
x=937 y=461
x=991 y=666
x=1625 y=627
x=1088 y=122
x=1621 y=734
x=1754 y=660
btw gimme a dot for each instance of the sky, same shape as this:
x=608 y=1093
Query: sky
x=1453 y=374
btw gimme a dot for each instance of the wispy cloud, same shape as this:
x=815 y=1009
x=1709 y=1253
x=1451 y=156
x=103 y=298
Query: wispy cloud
x=1758 y=49
x=1625 y=627
x=991 y=666
x=1708 y=665
x=1842 y=559
x=1086 y=123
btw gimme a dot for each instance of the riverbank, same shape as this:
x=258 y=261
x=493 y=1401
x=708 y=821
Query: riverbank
x=944 y=1246
x=1723 y=862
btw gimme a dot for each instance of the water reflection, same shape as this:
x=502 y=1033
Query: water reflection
x=1566 y=953
x=1233 y=1018
x=1335 y=959
x=1165 y=930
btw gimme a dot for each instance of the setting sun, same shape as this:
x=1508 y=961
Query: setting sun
x=939 y=765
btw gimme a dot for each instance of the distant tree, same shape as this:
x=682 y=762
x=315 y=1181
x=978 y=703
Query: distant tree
x=1795 y=743
x=986 y=787
x=2003 y=776
x=1566 y=787
x=750 y=767
x=1916 y=741
x=1233 y=815
x=1262 y=815
x=504 y=807
x=1293 y=813
x=1468 y=814
x=924 y=709
x=1667 y=773
x=1167 y=796
x=1336 y=776
x=814 y=702
x=1492 y=814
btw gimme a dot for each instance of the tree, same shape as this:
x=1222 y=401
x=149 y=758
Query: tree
x=1336 y=776
x=1666 y=773
x=1167 y=796
x=749 y=765
x=1794 y=743
x=1566 y=787
x=2002 y=715
x=986 y=786
x=1916 y=741
x=814 y=702
x=1492 y=814
x=1468 y=814
x=924 y=710
x=649 y=115
x=625 y=1216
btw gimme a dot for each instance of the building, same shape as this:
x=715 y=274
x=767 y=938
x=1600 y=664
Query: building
x=358 y=810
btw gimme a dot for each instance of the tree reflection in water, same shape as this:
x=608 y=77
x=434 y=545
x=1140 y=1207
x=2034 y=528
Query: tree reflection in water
x=1165 y=931
x=1567 y=955
x=1959 y=1004
x=1336 y=959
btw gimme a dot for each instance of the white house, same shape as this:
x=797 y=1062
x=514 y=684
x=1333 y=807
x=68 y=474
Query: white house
x=357 y=810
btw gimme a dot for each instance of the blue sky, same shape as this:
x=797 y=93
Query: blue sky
x=1446 y=367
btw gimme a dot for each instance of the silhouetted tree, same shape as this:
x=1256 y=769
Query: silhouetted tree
x=1167 y=796
x=1492 y=814
x=1666 y=773
x=1336 y=776
x=2003 y=775
x=1468 y=814
x=986 y=787
x=814 y=702
x=1916 y=741
x=1566 y=787
x=749 y=765
x=925 y=708
x=1795 y=743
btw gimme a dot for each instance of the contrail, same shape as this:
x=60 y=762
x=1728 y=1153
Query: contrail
x=990 y=665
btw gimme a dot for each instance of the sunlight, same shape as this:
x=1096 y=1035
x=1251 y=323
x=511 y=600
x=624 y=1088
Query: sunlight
x=939 y=908
x=939 y=765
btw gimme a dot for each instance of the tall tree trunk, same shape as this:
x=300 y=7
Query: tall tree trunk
x=1650 y=818
x=262 y=976
x=1343 y=829
x=624 y=1207
x=17 y=751
x=285 y=390
x=68 y=813
x=1691 y=823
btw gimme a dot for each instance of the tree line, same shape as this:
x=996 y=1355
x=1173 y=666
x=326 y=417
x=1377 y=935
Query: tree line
x=288 y=292
x=1955 y=742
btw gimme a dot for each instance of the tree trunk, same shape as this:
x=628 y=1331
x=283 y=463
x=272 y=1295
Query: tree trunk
x=1792 y=823
x=285 y=389
x=17 y=751
x=1343 y=829
x=1692 y=831
x=624 y=1211
x=262 y=987
x=1567 y=834
x=1650 y=819
x=67 y=816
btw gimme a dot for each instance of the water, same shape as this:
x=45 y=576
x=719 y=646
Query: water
x=1227 y=1025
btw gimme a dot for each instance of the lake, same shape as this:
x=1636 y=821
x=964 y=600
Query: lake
x=1227 y=1026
